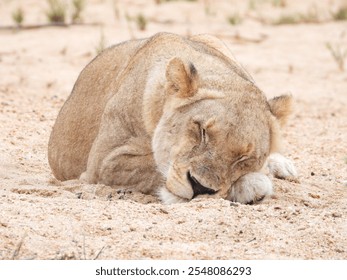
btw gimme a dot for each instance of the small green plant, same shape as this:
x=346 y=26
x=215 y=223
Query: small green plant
x=312 y=16
x=252 y=5
x=341 y=13
x=339 y=54
x=18 y=16
x=287 y=19
x=141 y=22
x=207 y=8
x=78 y=7
x=279 y=3
x=56 y=12
x=234 y=19
x=101 y=44
x=297 y=19
x=162 y=1
x=116 y=10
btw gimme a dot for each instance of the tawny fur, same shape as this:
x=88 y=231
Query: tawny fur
x=147 y=114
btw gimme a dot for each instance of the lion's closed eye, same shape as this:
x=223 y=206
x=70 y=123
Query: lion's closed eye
x=241 y=159
x=199 y=132
x=245 y=162
x=203 y=136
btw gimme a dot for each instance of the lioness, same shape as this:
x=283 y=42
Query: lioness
x=171 y=115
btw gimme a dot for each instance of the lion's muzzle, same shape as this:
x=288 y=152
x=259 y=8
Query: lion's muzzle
x=197 y=187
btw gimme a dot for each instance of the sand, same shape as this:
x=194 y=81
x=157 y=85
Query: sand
x=42 y=218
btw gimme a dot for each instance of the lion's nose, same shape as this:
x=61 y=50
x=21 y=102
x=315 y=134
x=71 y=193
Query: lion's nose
x=198 y=188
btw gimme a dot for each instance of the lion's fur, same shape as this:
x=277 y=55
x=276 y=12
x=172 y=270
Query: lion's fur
x=146 y=112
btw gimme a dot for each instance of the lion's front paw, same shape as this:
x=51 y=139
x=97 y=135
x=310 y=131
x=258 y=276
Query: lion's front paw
x=282 y=167
x=250 y=188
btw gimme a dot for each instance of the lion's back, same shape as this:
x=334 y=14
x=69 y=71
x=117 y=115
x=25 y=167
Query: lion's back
x=78 y=121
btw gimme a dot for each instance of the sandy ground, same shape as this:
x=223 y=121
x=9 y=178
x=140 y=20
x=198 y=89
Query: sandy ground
x=42 y=218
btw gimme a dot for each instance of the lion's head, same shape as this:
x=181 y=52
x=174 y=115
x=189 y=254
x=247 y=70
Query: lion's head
x=212 y=132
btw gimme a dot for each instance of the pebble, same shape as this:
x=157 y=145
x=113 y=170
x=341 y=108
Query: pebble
x=336 y=215
x=163 y=211
x=316 y=196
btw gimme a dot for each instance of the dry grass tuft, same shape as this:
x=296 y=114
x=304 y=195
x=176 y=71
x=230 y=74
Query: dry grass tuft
x=18 y=16
x=56 y=12
x=339 y=54
x=15 y=253
x=279 y=3
x=235 y=19
x=341 y=13
x=101 y=46
x=287 y=19
x=163 y=1
x=297 y=18
x=141 y=22
x=78 y=7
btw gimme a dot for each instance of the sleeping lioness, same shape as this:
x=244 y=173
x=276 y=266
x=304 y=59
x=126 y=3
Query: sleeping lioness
x=173 y=116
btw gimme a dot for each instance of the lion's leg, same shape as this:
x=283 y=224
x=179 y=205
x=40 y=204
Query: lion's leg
x=120 y=158
x=128 y=166
x=282 y=167
x=250 y=188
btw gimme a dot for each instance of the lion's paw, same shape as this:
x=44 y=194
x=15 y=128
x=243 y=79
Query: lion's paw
x=282 y=167
x=250 y=188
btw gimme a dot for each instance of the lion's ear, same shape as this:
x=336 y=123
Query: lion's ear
x=281 y=107
x=182 y=80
